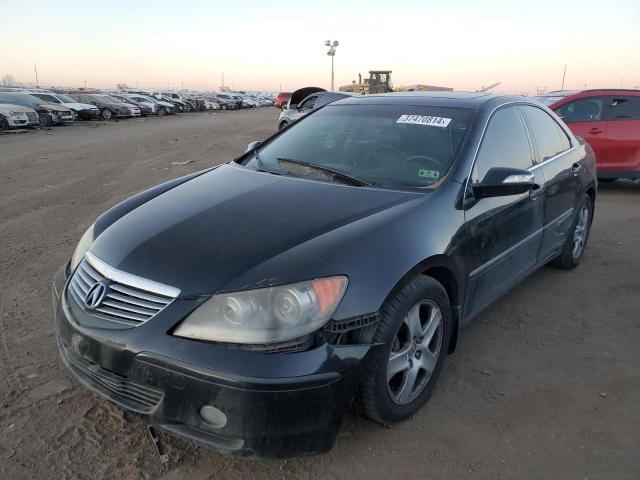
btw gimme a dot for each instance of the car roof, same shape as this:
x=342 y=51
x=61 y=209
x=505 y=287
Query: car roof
x=472 y=100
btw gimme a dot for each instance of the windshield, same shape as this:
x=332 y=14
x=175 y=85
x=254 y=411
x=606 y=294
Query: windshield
x=24 y=100
x=46 y=98
x=114 y=99
x=545 y=100
x=66 y=99
x=387 y=145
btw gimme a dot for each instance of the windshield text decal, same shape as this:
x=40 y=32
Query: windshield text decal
x=424 y=120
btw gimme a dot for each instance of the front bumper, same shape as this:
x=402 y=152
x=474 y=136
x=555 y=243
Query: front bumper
x=276 y=405
x=20 y=121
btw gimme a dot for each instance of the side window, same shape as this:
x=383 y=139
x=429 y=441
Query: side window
x=505 y=144
x=624 y=108
x=545 y=132
x=309 y=103
x=582 y=110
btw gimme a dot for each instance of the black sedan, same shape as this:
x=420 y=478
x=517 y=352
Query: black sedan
x=246 y=306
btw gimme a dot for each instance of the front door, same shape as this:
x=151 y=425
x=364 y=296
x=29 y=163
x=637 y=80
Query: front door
x=585 y=118
x=561 y=166
x=503 y=233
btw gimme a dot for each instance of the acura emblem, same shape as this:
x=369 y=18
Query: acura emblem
x=95 y=295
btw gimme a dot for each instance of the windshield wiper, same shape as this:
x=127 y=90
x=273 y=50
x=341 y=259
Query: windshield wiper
x=336 y=173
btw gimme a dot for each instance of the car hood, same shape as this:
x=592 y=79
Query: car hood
x=202 y=234
x=54 y=107
x=80 y=106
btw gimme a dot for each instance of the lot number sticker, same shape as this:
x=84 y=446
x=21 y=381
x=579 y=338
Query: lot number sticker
x=424 y=120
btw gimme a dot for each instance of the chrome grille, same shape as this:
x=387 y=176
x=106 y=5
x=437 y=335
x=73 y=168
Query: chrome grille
x=129 y=300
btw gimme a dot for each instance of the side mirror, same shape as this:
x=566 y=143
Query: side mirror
x=502 y=181
x=252 y=145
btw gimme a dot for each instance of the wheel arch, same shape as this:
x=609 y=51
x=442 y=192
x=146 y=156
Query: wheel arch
x=443 y=269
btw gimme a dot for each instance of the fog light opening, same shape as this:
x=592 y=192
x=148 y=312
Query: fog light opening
x=213 y=416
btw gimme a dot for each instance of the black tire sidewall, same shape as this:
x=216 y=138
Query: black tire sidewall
x=565 y=259
x=375 y=395
x=102 y=114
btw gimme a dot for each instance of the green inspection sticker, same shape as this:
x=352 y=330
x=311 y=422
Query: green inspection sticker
x=432 y=174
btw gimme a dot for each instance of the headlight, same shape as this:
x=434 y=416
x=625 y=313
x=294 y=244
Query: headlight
x=83 y=246
x=266 y=315
x=16 y=114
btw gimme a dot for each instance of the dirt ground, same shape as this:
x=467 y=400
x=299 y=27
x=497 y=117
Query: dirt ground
x=544 y=384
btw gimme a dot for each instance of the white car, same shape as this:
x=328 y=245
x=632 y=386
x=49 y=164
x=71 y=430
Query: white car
x=84 y=111
x=158 y=107
x=16 y=116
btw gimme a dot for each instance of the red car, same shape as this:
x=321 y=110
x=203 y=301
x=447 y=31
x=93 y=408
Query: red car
x=609 y=120
x=282 y=99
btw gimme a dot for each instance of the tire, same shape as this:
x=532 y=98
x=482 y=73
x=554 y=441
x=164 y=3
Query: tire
x=162 y=112
x=283 y=125
x=571 y=255
x=188 y=107
x=106 y=114
x=74 y=114
x=416 y=355
x=4 y=124
x=44 y=120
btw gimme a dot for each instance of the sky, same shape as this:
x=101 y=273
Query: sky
x=279 y=45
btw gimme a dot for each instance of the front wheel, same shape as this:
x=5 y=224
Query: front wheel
x=44 y=119
x=4 y=124
x=106 y=114
x=576 y=242
x=415 y=328
x=162 y=112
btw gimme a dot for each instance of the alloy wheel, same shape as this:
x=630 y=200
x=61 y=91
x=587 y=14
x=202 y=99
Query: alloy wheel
x=580 y=232
x=414 y=352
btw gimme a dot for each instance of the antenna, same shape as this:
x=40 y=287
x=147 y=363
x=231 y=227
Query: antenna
x=563 y=75
x=35 y=68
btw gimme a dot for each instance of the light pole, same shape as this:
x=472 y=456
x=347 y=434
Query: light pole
x=332 y=53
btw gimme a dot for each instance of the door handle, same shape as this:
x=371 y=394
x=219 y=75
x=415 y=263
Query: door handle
x=576 y=168
x=536 y=191
x=596 y=131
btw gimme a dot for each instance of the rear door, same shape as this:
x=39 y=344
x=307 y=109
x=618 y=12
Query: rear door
x=560 y=164
x=503 y=233
x=585 y=118
x=622 y=149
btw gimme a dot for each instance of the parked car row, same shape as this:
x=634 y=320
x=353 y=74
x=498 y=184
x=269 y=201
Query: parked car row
x=20 y=107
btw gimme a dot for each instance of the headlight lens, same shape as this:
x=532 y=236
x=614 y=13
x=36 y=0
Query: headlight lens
x=266 y=315
x=83 y=246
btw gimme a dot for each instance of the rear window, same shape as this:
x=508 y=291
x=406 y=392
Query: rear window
x=388 y=145
x=624 y=108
